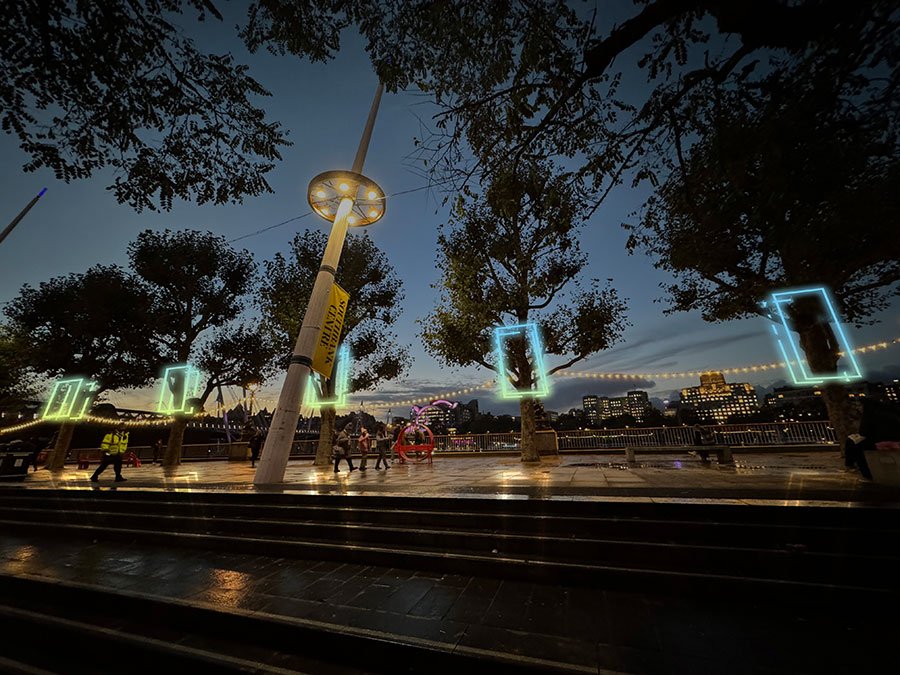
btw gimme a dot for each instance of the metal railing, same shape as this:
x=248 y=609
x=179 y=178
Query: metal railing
x=750 y=434
x=307 y=447
x=476 y=442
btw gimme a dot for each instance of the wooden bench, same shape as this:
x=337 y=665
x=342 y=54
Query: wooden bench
x=722 y=452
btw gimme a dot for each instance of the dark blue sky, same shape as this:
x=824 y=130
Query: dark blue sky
x=324 y=106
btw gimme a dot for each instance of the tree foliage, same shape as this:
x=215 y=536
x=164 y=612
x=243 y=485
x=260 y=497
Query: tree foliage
x=375 y=297
x=554 y=79
x=88 y=86
x=511 y=255
x=237 y=355
x=17 y=382
x=87 y=324
x=200 y=287
x=376 y=294
x=799 y=189
x=794 y=185
x=197 y=282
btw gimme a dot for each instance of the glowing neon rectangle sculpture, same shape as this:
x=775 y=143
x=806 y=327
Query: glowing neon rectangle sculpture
x=179 y=385
x=797 y=367
x=70 y=399
x=341 y=383
x=531 y=334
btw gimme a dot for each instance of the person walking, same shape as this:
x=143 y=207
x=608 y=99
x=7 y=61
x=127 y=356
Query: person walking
x=342 y=448
x=382 y=443
x=364 y=442
x=398 y=438
x=113 y=447
x=256 y=443
x=158 y=450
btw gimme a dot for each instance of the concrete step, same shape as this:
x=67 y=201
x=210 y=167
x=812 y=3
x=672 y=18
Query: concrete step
x=698 y=583
x=95 y=630
x=785 y=564
x=669 y=547
x=859 y=516
x=865 y=534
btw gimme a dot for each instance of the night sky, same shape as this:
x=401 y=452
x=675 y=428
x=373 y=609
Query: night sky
x=324 y=106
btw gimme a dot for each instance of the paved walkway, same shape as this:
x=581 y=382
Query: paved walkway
x=788 y=477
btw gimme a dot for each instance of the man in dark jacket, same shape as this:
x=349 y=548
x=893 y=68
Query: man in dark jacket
x=342 y=448
x=880 y=422
x=256 y=443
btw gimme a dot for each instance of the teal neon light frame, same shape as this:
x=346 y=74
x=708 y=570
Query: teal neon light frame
x=168 y=405
x=532 y=336
x=341 y=383
x=70 y=399
x=789 y=347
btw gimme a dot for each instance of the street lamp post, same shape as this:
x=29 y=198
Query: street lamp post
x=347 y=199
x=15 y=221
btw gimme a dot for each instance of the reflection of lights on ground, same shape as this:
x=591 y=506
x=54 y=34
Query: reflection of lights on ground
x=230 y=579
x=190 y=477
x=20 y=560
x=25 y=552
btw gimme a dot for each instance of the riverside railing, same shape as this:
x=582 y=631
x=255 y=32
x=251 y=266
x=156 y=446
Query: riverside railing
x=750 y=434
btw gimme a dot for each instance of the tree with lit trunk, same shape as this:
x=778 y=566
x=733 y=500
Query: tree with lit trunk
x=89 y=325
x=375 y=298
x=510 y=256
x=796 y=185
x=199 y=286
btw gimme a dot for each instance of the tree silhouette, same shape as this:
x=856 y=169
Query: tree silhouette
x=510 y=256
x=375 y=298
x=92 y=324
x=796 y=185
x=88 y=86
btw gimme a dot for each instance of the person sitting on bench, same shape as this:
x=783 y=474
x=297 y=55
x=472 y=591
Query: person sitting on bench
x=703 y=436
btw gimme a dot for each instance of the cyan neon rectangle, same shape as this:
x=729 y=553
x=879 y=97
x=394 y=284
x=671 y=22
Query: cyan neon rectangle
x=790 y=349
x=341 y=383
x=529 y=331
x=184 y=379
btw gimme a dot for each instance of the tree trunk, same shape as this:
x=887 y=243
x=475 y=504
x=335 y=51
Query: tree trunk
x=57 y=459
x=529 y=431
x=172 y=457
x=821 y=352
x=326 y=435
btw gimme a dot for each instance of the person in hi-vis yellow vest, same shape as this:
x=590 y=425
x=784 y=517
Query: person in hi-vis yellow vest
x=112 y=448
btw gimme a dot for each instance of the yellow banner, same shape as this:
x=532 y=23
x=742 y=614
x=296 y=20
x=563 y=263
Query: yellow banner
x=330 y=335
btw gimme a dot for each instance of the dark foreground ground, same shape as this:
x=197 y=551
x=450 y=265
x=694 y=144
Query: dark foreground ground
x=783 y=563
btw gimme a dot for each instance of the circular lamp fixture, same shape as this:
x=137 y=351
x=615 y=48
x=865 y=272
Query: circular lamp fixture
x=328 y=189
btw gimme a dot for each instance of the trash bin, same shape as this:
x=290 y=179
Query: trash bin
x=14 y=463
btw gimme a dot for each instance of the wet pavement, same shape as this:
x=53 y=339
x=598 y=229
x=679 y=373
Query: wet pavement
x=771 y=477
x=583 y=629
x=588 y=630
